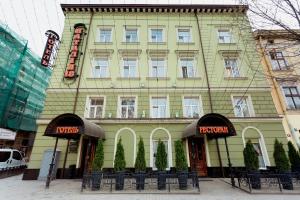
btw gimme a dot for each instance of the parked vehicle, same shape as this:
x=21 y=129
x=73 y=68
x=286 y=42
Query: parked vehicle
x=11 y=158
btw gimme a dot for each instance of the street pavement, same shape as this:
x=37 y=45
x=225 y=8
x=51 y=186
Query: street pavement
x=13 y=188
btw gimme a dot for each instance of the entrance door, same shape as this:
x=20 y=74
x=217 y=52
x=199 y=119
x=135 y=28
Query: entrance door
x=197 y=156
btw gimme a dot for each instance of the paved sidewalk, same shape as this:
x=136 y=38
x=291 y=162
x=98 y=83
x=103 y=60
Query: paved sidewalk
x=13 y=188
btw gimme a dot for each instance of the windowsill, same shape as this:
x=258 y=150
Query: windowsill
x=157 y=43
x=189 y=78
x=128 y=78
x=235 y=78
x=130 y=43
x=157 y=78
x=185 y=43
x=282 y=70
x=226 y=43
x=103 y=43
x=296 y=111
x=102 y=78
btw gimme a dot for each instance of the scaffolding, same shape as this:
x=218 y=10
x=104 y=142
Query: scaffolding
x=23 y=81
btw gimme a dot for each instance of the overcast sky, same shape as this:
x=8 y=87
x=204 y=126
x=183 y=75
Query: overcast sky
x=32 y=18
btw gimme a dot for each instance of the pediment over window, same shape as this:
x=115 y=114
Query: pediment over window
x=187 y=53
x=102 y=52
x=130 y=52
x=157 y=52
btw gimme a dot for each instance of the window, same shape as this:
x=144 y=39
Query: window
x=277 y=60
x=105 y=35
x=184 y=35
x=96 y=107
x=156 y=35
x=231 y=67
x=127 y=107
x=191 y=107
x=131 y=35
x=17 y=155
x=187 y=67
x=225 y=36
x=159 y=107
x=242 y=106
x=100 y=68
x=158 y=68
x=155 y=144
x=258 y=150
x=292 y=97
x=129 y=67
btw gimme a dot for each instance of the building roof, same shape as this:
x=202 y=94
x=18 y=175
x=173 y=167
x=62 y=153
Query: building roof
x=206 y=8
x=278 y=33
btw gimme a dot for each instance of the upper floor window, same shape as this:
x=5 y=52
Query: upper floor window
x=95 y=107
x=184 y=35
x=105 y=35
x=292 y=97
x=100 y=68
x=131 y=35
x=159 y=107
x=156 y=35
x=191 y=107
x=127 y=107
x=129 y=67
x=278 y=61
x=158 y=68
x=231 y=67
x=242 y=106
x=225 y=36
x=187 y=67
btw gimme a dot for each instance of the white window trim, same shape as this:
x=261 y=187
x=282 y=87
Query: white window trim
x=88 y=103
x=238 y=63
x=200 y=110
x=282 y=85
x=150 y=38
x=250 y=106
x=99 y=33
x=122 y=67
x=231 y=34
x=93 y=65
x=135 y=106
x=165 y=66
x=191 y=38
x=261 y=143
x=137 y=33
x=194 y=67
x=169 y=148
x=168 y=106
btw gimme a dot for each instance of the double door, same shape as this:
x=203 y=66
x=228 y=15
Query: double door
x=197 y=156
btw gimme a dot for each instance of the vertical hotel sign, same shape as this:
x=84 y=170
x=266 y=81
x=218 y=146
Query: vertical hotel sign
x=74 y=56
x=50 y=48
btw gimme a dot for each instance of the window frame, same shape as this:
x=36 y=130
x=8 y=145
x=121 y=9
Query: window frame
x=99 y=34
x=226 y=74
x=88 y=104
x=167 y=106
x=151 y=67
x=291 y=96
x=249 y=104
x=191 y=36
x=194 y=67
x=125 y=34
x=230 y=37
x=93 y=67
x=200 y=105
x=119 y=108
x=162 y=35
x=136 y=67
x=277 y=60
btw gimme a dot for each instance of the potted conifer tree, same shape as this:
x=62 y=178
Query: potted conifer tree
x=251 y=164
x=97 y=166
x=119 y=166
x=294 y=157
x=140 y=166
x=181 y=165
x=283 y=165
x=161 y=164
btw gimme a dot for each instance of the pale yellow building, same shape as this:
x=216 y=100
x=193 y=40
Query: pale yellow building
x=281 y=61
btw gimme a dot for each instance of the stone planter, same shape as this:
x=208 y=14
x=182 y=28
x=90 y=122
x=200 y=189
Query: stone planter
x=96 y=180
x=120 y=176
x=140 y=180
x=182 y=179
x=161 y=180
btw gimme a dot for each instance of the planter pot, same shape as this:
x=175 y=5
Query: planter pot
x=120 y=176
x=254 y=177
x=286 y=180
x=140 y=180
x=182 y=179
x=96 y=180
x=161 y=180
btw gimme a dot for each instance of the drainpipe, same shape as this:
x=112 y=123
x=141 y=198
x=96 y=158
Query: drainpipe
x=209 y=91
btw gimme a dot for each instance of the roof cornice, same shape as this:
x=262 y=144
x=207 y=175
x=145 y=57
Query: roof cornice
x=204 y=8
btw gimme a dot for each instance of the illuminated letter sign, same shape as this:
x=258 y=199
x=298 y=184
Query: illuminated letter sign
x=50 y=47
x=67 y=129
x=213 y=130
x=79 y=30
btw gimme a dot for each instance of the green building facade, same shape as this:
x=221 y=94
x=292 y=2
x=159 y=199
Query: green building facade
x=152 y=70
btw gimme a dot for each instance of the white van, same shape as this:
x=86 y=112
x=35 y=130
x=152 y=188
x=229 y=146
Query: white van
x=11 y=158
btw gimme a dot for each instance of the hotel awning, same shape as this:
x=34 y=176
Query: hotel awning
x=71 y=126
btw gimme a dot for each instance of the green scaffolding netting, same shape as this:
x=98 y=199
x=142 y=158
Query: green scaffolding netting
x=23 y=81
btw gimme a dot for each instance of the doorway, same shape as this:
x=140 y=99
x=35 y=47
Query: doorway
x=197 y=155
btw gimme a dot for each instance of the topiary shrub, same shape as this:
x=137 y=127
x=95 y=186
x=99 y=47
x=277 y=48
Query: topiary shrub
x=294 y=157
x=161 y=156
x=99 y=157
x=281 y=160
x=140 y=161
x=180 y=159
x=119 y=163
x=250 y=157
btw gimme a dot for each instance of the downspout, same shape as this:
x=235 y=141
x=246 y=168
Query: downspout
x=208 y=87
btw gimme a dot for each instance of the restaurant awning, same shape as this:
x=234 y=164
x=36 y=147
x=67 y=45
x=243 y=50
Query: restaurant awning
x=71 y=126
x=213 y=125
